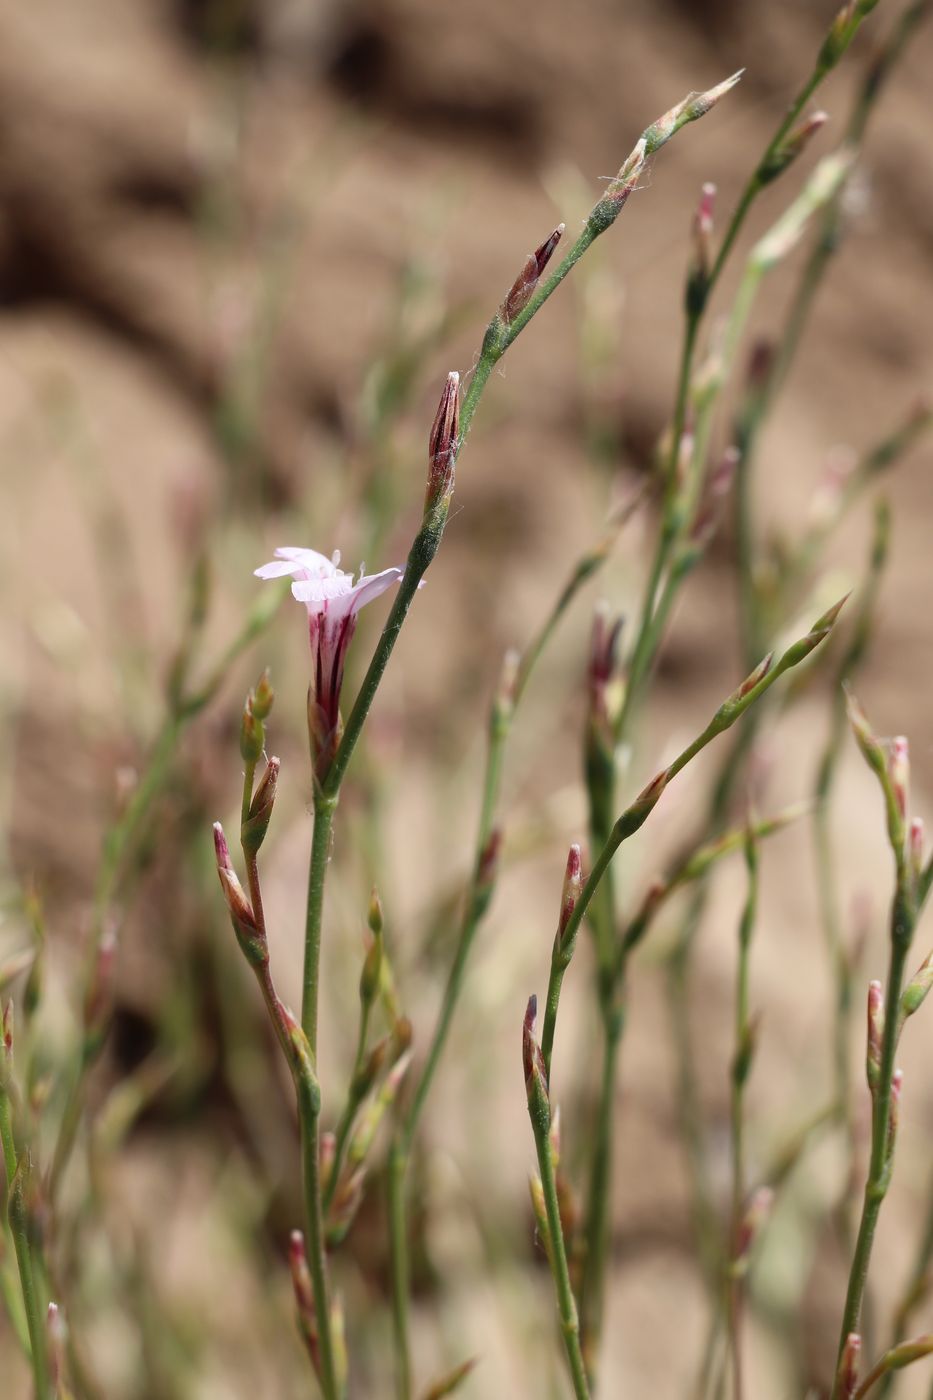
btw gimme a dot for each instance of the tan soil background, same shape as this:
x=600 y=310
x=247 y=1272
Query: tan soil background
x=340 y=143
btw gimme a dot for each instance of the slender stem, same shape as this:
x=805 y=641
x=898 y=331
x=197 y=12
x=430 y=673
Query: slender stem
x=398 y=1248
x=596 y=1226
x=879 y=1170
x=557 y=1253
x=916 y=1290
x=477 y=901
x=342 y=1135
x=309 y=1117
x=22 y=1246
x=324 y=809
x=740 y=1070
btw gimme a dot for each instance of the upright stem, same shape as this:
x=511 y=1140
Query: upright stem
x=309 y=1116
x=25 y=1263
x=557 y=1253
x=324 y=809
x=398 y=1248
x=879 y=1170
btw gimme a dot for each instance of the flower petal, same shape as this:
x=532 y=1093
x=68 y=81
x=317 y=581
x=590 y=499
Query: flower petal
x=320 y=593
x=369 y=587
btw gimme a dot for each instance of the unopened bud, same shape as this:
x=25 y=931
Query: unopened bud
x=915 y=848
x=328 y=1155
x=536 y=1192
x=532 y=1059
x=848 y=1369
x=263 y=697
x=554 y=1138
x=573 y=885
x=57 y=1334
x=304 y=1297
x=865 y=737
x=249 y=935
x=718 y=485
x=792 y=146
x=525 y=283
x=372 y=969
x=754 y=678
x=897 y=1083
x=693 y=106
x=450 y=1382
x=899 y=773
x=875 y=1036
x=442 y=444
x=619 y=189
x=98 y=1002
x=914 y=994
x=604 y=685
x=253 y=830
x=701 y=257
x=252 y=734
x=751 y=1225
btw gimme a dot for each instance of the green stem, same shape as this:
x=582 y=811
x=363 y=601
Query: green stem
x=22 y=1246
x=309 y=1117
x=539 y=1113
x=596 y=1227
x=342 y=1135
x=740 y=1070
x=398 y=1248
x=879 y=1170
x=324 y=809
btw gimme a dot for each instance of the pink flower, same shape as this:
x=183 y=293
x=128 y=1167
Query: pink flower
x=333 y=601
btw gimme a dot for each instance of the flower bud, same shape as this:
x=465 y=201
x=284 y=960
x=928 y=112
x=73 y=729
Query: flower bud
x=792 y=146
x=250 y=936
x=450 y=1382
x=693 y=106
x=253 y=830
x=751 y=1225
x=532 y=1059
x=523 y=287
x=914 y=994
x=263 y=696
x=252 y=734
x=875 y=1036
x=503 y=705
x=701 y=259
x=304 y=1297
x=375 y=917
x=915 y=848
x=573 y=885
x=442 y=444
x=99 y=998
x=899 y=773
x=372 y=968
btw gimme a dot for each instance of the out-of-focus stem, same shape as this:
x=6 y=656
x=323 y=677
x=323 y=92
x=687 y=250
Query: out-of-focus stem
x=25 y=1263
x=345 y=1123
x=740 y=1070
x=903 y=916
x=917 y=1288
x=309 y=1118
x=398 y=1250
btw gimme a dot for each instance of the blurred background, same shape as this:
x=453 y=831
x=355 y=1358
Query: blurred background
x=241 y=244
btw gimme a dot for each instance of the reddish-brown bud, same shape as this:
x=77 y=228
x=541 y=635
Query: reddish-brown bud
x=573 y=884
x=899 y=773
x=442 y=444
x=752 y=1223
x=532 y=1059
x=703 y=232
x=875 y=1036
x=523 y=287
